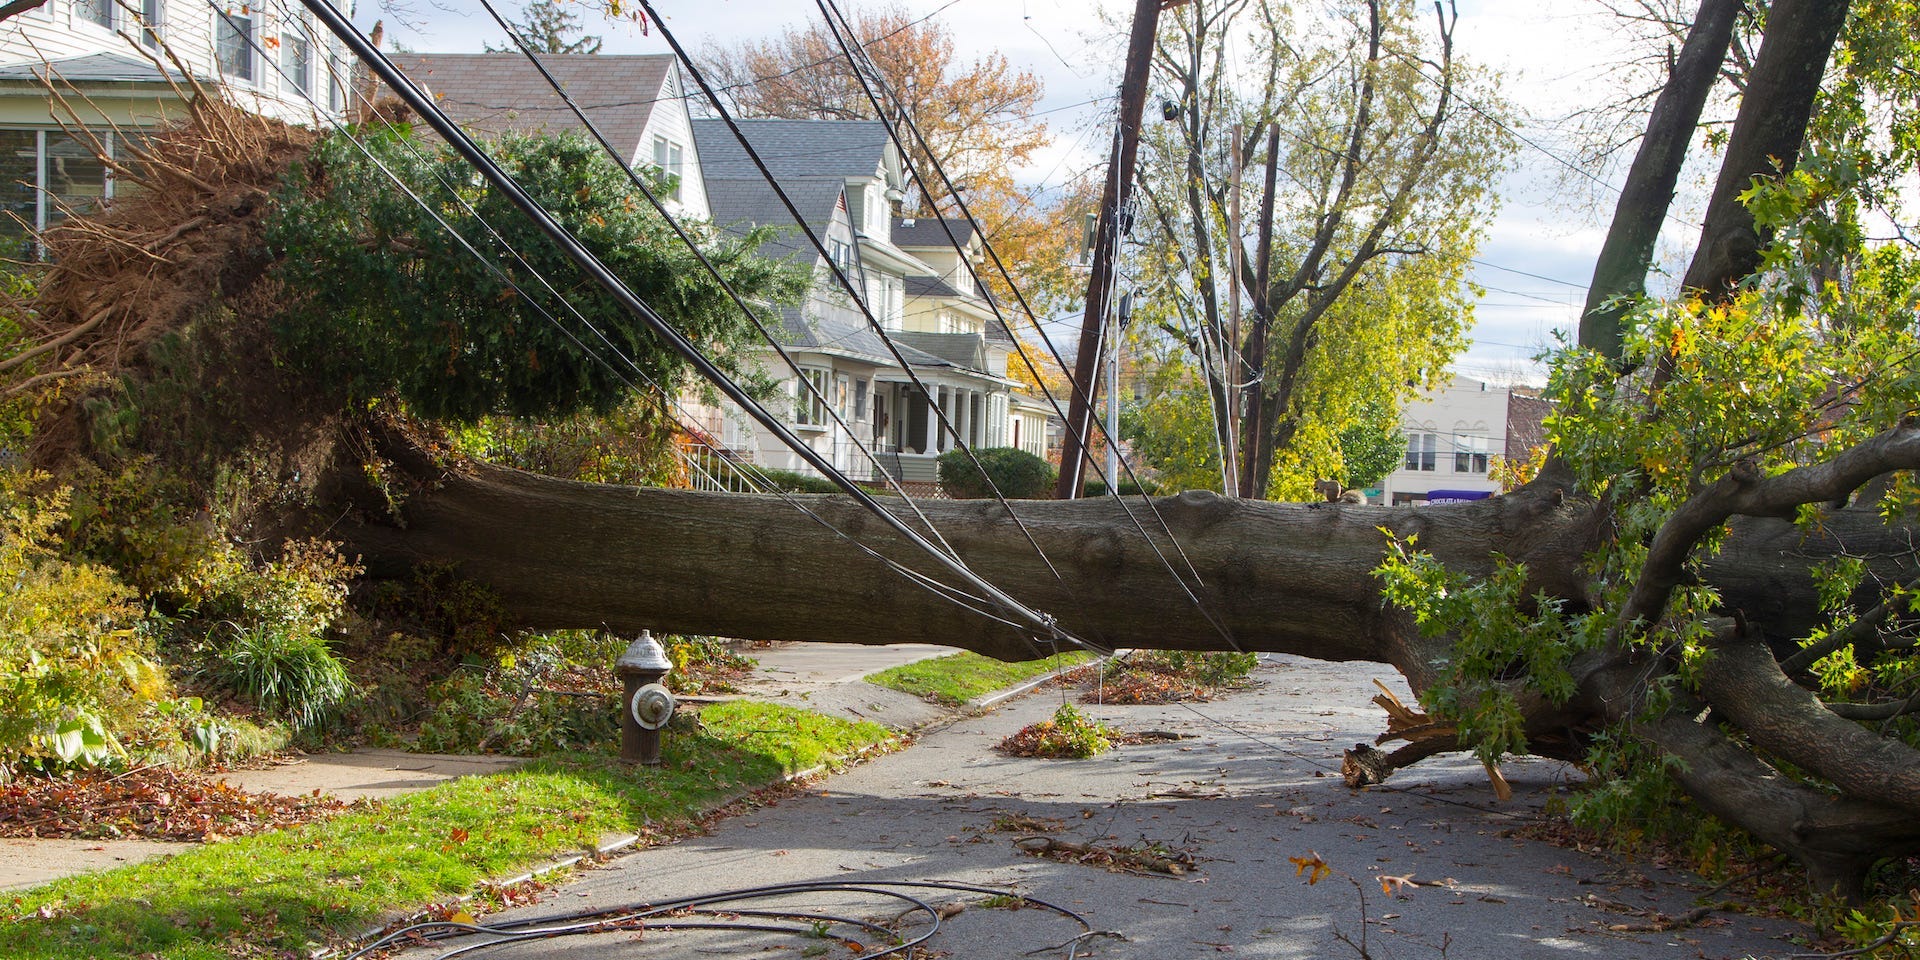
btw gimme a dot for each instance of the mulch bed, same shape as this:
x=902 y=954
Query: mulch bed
x=151 y=803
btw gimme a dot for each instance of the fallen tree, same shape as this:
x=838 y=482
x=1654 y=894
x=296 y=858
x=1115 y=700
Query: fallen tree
x=1719 y=564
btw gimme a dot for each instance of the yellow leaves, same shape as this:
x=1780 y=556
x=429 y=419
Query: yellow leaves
x=1393 y=885
x=1310 y=866
x=1680 y=341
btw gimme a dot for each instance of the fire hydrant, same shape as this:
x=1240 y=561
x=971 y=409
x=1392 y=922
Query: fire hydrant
x=647 y=705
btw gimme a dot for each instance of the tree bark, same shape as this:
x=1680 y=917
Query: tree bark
x=1767 y=135
x=1287 y=578
x=1621 y=270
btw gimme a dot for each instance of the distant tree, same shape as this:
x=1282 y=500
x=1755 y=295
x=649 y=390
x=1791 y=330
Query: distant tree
x=549 y=28
x=1372 y=446
x=1368 y=148
x=974 y=115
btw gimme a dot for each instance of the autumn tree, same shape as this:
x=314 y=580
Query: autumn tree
x=971 y=118
x=1368 y=148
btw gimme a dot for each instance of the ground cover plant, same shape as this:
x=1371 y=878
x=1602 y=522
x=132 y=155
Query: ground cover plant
x=959 y=678
x=297 y=889
x=1716 y=565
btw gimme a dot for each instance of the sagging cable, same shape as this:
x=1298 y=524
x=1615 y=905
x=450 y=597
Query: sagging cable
x=597 y=271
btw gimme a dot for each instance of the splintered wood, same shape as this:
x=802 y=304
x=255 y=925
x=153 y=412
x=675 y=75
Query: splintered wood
x=1365 y=765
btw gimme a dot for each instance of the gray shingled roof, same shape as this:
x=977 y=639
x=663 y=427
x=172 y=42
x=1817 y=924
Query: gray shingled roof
x=739 y=204
x=926 y=232
x=930 y=287
x=792 y=148
x=957 y=349
x=813 y=160
x=495 y=93
x=93 y=68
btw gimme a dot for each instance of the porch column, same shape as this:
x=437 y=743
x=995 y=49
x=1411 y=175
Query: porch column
x=932 y=444
x=964 y=423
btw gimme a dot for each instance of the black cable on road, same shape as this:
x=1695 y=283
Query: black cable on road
x=716 y=911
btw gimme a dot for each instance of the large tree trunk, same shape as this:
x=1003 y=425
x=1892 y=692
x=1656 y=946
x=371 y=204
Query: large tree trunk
x=1237 y=574
x=1221 y=574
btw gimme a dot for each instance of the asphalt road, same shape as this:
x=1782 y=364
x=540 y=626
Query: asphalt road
x=1255 y=787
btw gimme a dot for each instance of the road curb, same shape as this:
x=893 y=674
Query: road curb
x=992 y=700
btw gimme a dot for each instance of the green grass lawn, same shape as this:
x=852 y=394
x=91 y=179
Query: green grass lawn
x=297 y=889
x=956 y=679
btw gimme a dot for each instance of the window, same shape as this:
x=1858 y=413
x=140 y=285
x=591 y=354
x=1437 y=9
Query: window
x=296 y=61
x=47 y=176
x=336 y=86
x=876 y=211
x=94 y=11
x=808 y=411
x=150 y=19
x=841 y=253
x=1469 y=454
x=19 y=192
x=233 y=45
x=894 y=306
x=860 y=399
x=667 y=158
x=1422 y=451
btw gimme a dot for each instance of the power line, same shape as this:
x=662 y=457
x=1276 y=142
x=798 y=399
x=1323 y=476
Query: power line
x=862 y=66
x=859 y=298
x=802 y=381
x=1536 y=276
x=951 y=594
x=638 y=308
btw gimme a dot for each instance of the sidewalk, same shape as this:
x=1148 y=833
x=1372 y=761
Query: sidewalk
x=820 y=676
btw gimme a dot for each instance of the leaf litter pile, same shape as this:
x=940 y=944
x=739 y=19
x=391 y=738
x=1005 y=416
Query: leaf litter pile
x=152 y=803
x=1159 y=676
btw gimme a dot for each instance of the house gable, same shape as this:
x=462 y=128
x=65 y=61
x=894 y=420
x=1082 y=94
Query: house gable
x=632 y=99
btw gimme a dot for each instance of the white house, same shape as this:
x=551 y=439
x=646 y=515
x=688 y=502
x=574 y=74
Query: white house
x=950 y=302
x=847 y=179
x=1455 y=435
x=115 y=73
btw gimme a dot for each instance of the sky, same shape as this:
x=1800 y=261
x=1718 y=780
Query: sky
x=1555 y=55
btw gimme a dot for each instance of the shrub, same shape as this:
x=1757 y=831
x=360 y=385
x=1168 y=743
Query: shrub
x=287 y=672
x=788 y=481
x=76 y=658
x=474 y=712
x=1017 y=474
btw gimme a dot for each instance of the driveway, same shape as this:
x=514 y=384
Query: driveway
x=1251 y=794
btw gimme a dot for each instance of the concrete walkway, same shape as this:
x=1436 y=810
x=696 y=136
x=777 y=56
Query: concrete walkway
x=821 y=676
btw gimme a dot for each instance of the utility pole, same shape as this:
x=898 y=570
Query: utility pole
x=1230 y=357
x=1118 y=336
x=1113 y=200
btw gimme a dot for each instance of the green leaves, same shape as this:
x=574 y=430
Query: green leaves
x=387 y=301
x=1505 y=642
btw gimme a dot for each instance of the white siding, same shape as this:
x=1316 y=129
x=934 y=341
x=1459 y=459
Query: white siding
x=57 y=31
x=669 y=120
